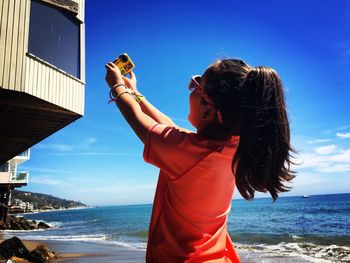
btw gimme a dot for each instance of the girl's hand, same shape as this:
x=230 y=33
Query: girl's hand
x=131 y=82
x=113 y=75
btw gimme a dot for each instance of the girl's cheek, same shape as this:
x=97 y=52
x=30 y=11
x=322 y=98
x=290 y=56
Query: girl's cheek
x=190 y=113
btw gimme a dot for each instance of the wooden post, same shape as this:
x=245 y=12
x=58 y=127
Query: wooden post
x=2 y=205
x=8 y=192
x=4 y=198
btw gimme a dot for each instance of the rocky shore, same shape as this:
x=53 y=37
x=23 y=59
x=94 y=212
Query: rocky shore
x=19 y=223
x=14 y=249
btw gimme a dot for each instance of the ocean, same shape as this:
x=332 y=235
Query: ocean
x=315 y=228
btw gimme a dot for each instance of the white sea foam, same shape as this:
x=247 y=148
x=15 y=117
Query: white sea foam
x=295 y=237
x=22 y=231
x=79 y=223
x=87 y=238
x=133 y=245
x=52 y=224
x=95 y=238
x=309 y=252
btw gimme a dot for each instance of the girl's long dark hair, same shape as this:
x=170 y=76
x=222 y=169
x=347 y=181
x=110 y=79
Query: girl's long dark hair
x=252 y=103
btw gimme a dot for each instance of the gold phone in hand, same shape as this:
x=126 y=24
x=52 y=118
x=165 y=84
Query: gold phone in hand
x=124 y=63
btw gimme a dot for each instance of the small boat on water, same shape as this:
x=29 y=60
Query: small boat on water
x=305 y=196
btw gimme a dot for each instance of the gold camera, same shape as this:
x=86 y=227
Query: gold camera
x=124 y=63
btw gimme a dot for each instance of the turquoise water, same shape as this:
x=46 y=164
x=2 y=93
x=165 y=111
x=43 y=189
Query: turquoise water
x=317 y=227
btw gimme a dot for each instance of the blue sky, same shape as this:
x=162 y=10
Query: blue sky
x=98 y=160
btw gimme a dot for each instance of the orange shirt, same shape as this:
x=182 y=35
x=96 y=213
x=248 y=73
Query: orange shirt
x=193 y=197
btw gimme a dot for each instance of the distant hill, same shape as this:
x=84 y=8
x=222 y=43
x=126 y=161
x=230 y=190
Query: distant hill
x=44 y=200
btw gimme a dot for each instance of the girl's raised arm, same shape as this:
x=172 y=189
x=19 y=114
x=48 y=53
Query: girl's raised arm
x=131 y=110
x=146 y=106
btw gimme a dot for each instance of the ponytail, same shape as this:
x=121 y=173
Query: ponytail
x=253 y=106
x=262 y=161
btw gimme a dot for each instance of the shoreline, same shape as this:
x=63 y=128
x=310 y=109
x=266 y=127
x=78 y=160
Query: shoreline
x=52 y=210
x=89 y=252
x=92 y=252
x=104 y=233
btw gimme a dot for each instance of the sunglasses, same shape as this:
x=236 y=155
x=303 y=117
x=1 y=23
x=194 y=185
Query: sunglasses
x=195 y=85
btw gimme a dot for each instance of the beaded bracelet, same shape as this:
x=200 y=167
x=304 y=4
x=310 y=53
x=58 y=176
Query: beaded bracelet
x=139 y=98
x=118 y=85
x=115 y=99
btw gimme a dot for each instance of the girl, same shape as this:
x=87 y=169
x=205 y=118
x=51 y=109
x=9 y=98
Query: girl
x=242 y=140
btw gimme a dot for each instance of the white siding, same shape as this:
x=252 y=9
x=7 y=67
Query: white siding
x=53 y=85
x=4 y=178
x=81 y=15
x=12 y=43
x=22 y=72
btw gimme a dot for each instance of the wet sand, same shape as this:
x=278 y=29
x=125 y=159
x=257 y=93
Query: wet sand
x=86 y=252
x=74 y=251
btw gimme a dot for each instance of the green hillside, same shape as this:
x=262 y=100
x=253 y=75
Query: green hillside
x=44 y=200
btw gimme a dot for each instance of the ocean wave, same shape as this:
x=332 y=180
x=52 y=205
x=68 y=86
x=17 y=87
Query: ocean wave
x=82 y=223
x=94 y=238
x=274 y=239
x=8 y=231
x=308 y=251
x=53 y=225
x=133 y=245
x=87 y=238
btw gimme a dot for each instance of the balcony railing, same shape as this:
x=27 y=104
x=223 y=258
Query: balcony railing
x=20 y=178
x=26 y=153
x=20 y=158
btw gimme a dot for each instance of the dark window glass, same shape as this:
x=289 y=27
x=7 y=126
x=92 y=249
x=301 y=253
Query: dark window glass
x=4 y=167
x=54 y=36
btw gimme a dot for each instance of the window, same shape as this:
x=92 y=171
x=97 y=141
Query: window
x=4 y=167
x=54 y=36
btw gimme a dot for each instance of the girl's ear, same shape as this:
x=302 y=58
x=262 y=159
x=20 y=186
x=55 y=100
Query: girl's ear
x=208 y=113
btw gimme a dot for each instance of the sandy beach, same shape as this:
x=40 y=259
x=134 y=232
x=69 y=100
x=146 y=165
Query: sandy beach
x=119 y=233
x=85 y=252
x=88 y=252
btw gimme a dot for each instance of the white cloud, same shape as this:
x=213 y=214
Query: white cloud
x=310 y=160
x=335 y=168
x=44 y=180
x=90 y=140
x=120 y=193
x=86 y=144
x=123 y=187
x=307 y=179
x=318 y=141
x=99 y=154
x=56 y=147
x=345 y=127
x=65 y=148
x=325 y=149
x=47 y=170
x=343 y=157
x=343 y=135
x=323 y=161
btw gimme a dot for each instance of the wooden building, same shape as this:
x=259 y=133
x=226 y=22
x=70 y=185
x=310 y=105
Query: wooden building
x=11 y=178
x=42 y=70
